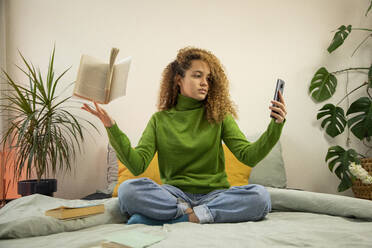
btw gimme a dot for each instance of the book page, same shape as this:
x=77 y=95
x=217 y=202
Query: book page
x=91 y=79
x=133 y=238
x=119 y=78
x=110 y=72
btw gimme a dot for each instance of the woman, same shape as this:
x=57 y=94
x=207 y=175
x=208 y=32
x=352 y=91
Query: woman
x=195 y=116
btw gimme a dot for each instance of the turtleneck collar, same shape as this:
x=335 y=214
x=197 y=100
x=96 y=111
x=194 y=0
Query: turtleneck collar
x=187 y=103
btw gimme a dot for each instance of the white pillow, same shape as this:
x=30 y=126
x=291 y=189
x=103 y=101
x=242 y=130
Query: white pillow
x=25 y=216
x=112 y=169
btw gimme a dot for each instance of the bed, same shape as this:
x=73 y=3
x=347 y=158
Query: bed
x=298 y=219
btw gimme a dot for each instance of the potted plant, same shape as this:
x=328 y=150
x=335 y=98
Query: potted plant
x=358 y=118
x=42 y=135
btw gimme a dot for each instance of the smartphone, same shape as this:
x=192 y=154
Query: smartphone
x=279 y=87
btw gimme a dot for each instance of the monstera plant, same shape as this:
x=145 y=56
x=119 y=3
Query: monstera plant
x=358 y=117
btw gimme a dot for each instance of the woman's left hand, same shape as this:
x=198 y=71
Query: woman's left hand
x=279 y=108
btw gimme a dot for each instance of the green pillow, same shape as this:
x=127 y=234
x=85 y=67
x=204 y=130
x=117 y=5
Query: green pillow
x=270 y=171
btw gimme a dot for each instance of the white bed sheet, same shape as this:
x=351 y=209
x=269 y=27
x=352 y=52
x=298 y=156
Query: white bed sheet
x=299 y=219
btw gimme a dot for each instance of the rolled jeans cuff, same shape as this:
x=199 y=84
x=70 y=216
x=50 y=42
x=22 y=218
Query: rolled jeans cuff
x=204 y=214
x=181 y=208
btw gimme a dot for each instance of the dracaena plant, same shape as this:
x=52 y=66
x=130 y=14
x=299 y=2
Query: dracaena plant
x=42 y=136
x=358 y=117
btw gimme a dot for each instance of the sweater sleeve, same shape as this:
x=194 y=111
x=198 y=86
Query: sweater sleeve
x=135 y=159
x=249 y=153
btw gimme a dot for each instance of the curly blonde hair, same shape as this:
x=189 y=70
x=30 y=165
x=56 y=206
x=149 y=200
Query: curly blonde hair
x=217 y=103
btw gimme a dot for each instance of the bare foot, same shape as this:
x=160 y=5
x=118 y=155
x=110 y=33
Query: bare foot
x=192 y=216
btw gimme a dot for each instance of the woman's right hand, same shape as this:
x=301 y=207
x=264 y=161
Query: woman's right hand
x=100 y=113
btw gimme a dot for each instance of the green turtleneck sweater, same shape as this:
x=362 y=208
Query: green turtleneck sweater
x=190 y=152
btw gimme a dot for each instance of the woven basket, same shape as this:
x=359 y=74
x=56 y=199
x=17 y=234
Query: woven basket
x=363 y=190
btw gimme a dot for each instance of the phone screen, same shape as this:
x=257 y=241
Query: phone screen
x=279 y=87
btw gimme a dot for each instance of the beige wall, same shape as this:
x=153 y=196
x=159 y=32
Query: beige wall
x=257 y=41
x=2 y=65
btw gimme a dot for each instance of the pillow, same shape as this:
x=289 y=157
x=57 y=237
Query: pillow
x=112 y=169
x=111 y=177
x=124 y=174
x=270 y=171
x=237 y=172
x=25 y=217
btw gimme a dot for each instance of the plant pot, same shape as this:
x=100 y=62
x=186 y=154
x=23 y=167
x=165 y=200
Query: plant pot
x=361 y=190
x=44 y=187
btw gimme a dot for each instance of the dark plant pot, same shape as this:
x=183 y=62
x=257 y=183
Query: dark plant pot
x=44 y=187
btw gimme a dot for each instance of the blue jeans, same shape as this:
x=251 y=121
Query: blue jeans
x=165 y=202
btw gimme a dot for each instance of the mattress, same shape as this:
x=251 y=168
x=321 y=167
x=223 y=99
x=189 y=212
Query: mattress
x=298 y=219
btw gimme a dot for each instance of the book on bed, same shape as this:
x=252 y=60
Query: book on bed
x=102 y=82
x=64 y=213
x=130 y=239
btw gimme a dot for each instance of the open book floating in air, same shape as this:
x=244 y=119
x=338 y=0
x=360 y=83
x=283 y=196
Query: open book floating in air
x=102 y=82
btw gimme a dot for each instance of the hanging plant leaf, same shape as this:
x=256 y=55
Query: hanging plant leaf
x=340 y=159
x=323 y=85
x=369 y=8
x=339 y=37
x=361 y=124
x=335 y=119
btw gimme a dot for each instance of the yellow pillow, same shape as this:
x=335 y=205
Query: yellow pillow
x=237 y=172
x=151 y=172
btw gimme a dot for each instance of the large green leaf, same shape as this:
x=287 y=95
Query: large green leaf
x=361 y=124
x=338 y=162
x=339 y=37
x=335 y=120
x=323 y=85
